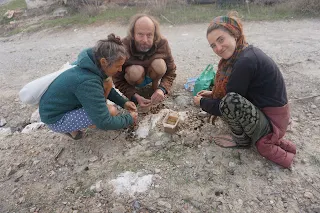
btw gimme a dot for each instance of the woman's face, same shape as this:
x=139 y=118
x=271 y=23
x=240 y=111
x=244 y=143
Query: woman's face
x=114 y=68
x=222 y=43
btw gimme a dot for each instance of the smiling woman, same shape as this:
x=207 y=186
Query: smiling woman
x=222 y=43
x=249 y=94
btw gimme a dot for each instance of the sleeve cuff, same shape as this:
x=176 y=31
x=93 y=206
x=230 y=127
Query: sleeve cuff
x=134 y=99
x=163 y=90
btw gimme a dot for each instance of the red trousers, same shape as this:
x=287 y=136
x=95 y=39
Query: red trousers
x=272 y=146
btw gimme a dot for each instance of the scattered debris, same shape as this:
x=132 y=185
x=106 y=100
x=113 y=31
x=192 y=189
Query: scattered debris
x=58 y=153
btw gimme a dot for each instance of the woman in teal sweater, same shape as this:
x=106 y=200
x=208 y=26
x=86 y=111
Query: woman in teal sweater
x=76 y=99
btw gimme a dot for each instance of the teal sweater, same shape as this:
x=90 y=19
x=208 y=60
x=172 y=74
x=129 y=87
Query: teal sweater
x=82 y=86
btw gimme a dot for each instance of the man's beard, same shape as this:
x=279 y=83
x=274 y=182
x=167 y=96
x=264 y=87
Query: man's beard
x=142 y=48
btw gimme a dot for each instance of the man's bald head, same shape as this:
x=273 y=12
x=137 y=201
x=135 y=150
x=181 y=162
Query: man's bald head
x=144 y=30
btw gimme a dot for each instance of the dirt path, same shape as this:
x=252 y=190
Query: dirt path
x=189 y=173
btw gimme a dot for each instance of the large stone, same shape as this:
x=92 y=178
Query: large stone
x=32 y=127
x=164 y=204
x=3 y=122
x=60 y=12
x=35 y=117
x=5 y=131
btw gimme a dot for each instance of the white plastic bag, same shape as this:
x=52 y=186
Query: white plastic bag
x=32 y=92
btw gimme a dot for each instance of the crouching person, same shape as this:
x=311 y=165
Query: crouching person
x=76 y=99
x=249 y=94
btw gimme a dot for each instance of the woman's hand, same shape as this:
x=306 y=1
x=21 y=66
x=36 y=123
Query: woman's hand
x=196 y=100
x=130 y=106
x=134 y=116
x=205 y=93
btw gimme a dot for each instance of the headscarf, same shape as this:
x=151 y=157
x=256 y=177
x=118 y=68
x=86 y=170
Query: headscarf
x=225 y=65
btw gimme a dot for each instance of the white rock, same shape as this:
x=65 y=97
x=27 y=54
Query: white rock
x=313 y=106
x=308 y=195
x=93 y=187
x=144 y=127
x=35 y=162
x=21 y=200
x=203 y=113
x=183 y=116
x=10 y=171
x=35 y=117
x=3 y=122
x=33 y=209
x=157 y=171
x=93 y=159
x=98 y=186
x=32 y=127
x=164 y=204
x=5 y=131
x=60 y=12
x=232 y=164
x=159 y=143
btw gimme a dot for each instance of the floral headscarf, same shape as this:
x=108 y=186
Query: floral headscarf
x=225 y=65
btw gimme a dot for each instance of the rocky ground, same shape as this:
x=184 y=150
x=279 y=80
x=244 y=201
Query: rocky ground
x=146 y=169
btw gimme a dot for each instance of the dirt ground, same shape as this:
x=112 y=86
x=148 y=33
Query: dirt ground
x=188 y=172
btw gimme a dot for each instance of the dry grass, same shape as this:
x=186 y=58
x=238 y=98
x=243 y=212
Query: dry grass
x=85 y=12
x=305 y=7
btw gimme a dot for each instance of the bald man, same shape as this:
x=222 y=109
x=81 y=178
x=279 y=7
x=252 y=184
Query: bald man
x=150 y=62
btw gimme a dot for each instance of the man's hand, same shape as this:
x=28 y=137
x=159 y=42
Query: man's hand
x=130 y=106
x=196 y=100
x=134 y=116
x=205 y=93
x=143 y=102
x=157 y=96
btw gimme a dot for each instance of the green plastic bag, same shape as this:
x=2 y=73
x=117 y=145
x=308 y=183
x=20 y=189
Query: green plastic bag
x=205 y=80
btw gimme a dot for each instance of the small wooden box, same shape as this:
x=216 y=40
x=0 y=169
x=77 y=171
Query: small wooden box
x=170 y=122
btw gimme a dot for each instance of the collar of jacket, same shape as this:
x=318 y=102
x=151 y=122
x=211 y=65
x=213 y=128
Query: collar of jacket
x=142 y=55
x=101 y=73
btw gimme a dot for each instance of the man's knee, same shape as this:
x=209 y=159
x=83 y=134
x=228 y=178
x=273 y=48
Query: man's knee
x=134 y=74
x=157 y=68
